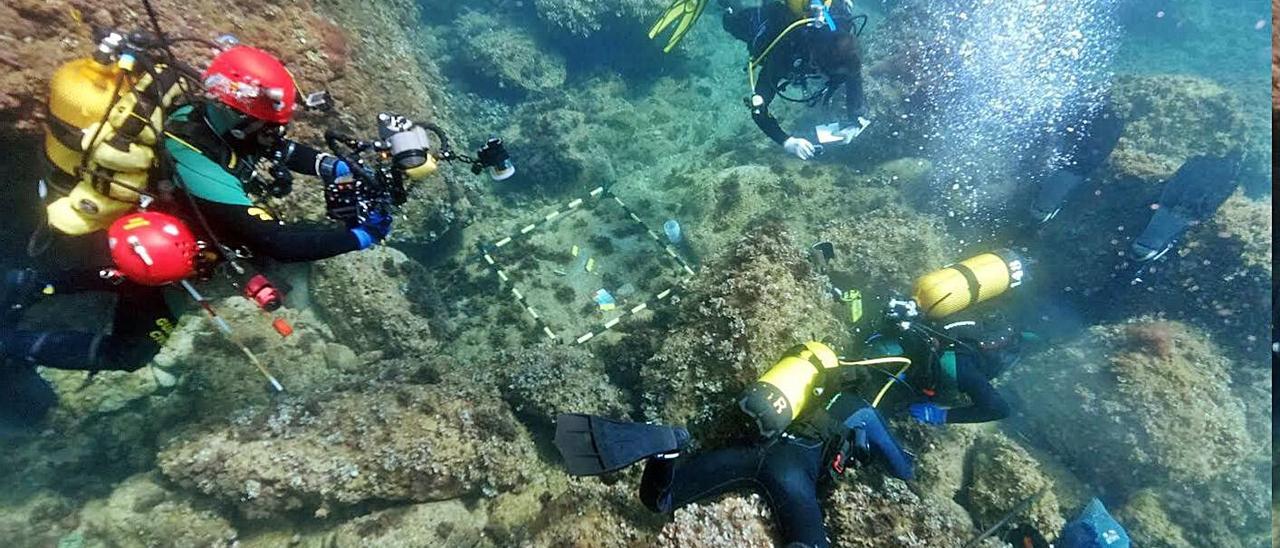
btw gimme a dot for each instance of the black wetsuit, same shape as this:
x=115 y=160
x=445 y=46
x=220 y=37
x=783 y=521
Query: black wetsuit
x=233 y=216
x=834 y=54
x=787 y=471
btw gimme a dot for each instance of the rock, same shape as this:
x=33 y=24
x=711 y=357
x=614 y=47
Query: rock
x=365 y=297
x=1247 y=223
x=1146 y=521
x=445 y=523
x=142 y=512
x=942 y=454
x=592 y=513
x=736 y=318
x=37 y=519
x=498 y=51
x=889 y=514
x=1155 y=395
x=586 y=19
x=1002 y=475
x=544 y=382
x=1162 y=420
x=390 y=443
x=340 y=357
x=1170 y=118
x=730 y=521
x=869 y=254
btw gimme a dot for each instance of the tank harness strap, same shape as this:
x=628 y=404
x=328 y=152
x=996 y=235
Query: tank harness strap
x=975 y=287
x=813 y=360
x=64 y=132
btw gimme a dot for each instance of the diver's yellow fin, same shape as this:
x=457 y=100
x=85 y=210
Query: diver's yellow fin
x=687 y=11
x=673 y=11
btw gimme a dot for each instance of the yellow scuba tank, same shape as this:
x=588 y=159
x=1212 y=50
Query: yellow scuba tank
x=977 y=279
x=778 y=397
x=100 y=139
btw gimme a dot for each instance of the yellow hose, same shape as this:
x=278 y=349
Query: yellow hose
x=885 y=389
x=906 y=363
x=754 y=61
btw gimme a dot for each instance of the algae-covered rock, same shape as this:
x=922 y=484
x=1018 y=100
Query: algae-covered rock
x=37 y=519
x=738 y=316
x=1170 y=118
x=1134 y=404
x=507 y=55
x=446 y=523
x=1003 y=474
x=365 y=297
x=142 y=512
x=407 y=443
x=889 y=514
x=1147 y=522
x=1246 y=222
x=730 y=521
x=592 y=513
x=584 y=19
x=942 y=455
x=544 y=382
x=886 y=250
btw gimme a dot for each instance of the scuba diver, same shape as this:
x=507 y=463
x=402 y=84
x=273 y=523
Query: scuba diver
x=952 y=357
x=213 y=145
x=216 y=146
x=799 y=45
x=959 y=357
x=806 y=442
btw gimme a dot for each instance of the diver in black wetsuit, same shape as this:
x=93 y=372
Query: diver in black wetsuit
x=787 y=468
x=961 y=357
x=1081 y=146
x=826 y=49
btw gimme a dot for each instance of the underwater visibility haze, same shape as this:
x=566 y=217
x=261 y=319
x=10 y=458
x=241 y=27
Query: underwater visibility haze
x=630 y=273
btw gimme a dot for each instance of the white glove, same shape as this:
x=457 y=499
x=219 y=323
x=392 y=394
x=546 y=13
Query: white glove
x=801 y=148
x=854 y=130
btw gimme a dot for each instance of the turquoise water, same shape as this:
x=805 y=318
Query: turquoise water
x=424 y=377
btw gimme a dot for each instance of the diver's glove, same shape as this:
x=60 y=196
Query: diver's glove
x=373 y=230
x=928 y=413
x=801 y=148
x=333 y=169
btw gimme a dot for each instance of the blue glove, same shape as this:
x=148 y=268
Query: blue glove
x=928 y=413
x=373 y=230
x=332 y=169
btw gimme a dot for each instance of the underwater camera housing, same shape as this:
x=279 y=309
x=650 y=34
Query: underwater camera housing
x=493 y=156
x=403 y=150
x=409 y=145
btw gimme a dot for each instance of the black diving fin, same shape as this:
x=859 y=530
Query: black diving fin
x=593 y=445
x=1192 y=195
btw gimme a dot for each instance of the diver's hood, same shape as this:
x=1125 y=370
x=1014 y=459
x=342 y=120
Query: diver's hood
x=1163 y=228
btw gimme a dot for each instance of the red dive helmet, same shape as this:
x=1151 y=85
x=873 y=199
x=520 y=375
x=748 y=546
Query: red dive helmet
x=253 y=82
x=152 y=248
